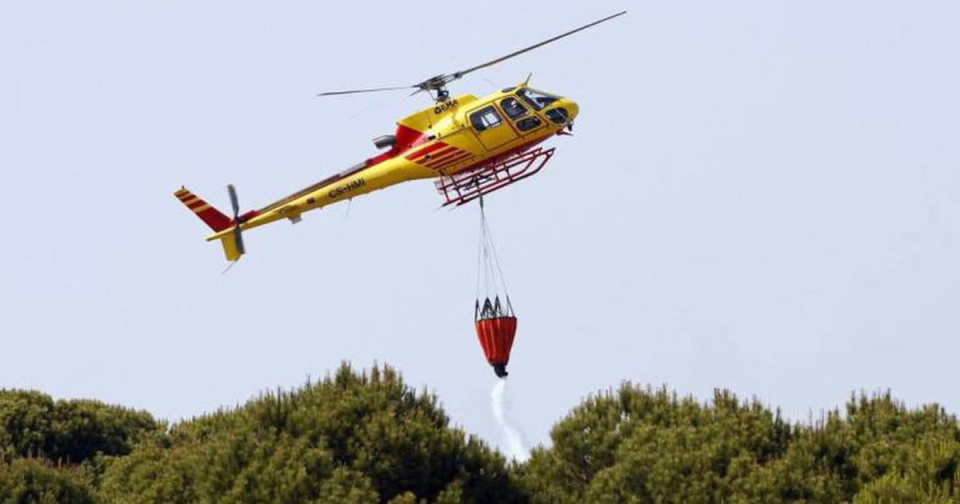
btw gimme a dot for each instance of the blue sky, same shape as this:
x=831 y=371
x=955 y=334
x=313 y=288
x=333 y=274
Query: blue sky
x=761 y=196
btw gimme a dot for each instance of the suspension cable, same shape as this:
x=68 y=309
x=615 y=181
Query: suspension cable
x=489 y=272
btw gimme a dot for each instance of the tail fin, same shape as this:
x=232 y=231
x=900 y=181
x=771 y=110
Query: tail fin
x=230 y=247
x=213 y=217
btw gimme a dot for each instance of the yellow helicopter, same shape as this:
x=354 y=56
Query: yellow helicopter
x=472 y=146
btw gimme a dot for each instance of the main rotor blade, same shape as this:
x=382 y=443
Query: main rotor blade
x=356 y=91
x=526 y=49
x=438 y=83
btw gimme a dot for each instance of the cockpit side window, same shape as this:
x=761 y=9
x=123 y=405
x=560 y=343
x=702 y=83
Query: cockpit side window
x=485 y=119
x=513 y=107
x=536 y=99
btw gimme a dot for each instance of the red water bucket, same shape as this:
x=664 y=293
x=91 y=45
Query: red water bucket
x=496 y=338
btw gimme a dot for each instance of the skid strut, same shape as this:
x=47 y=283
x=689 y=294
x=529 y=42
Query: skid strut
x=464 y=187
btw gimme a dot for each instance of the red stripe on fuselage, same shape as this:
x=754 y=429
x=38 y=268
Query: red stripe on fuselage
x=426 y=150
x=438 y=154
x=445 y=157
x=452 y=161
x=407 y=138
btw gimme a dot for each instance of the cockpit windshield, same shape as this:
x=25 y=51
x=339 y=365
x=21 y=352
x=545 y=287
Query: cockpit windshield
x=536 y=99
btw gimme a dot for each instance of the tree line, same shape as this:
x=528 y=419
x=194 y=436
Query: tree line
x=367 y=437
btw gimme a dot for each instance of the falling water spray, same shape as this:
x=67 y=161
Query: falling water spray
x=516 y=445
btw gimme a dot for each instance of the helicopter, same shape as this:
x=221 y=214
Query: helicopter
x=472 y=146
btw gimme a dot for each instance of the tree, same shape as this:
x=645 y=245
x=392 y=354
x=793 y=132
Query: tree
x=32 y=424
x=639 y=445
x=33 y=481
x=359 y=437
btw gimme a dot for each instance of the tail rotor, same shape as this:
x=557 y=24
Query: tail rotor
x=237 y=235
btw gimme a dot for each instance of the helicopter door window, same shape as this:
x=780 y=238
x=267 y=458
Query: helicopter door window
x=513 y=107
x=485 y=119
x=529 y=123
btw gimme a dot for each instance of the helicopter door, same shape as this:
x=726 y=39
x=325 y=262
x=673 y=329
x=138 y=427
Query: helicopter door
x=524 y=121
x=490 y=128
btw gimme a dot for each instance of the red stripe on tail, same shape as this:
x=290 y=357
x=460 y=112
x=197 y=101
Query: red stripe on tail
x=211 y=216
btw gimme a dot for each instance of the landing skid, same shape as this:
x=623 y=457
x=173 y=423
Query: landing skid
x=464 y=187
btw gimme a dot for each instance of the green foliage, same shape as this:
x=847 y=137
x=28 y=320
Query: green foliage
x=360 y=438
x=351 y=438
x=33 y=425
x=30 y=481
x=894 y=488
x=26 y=423
x=639 y=445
